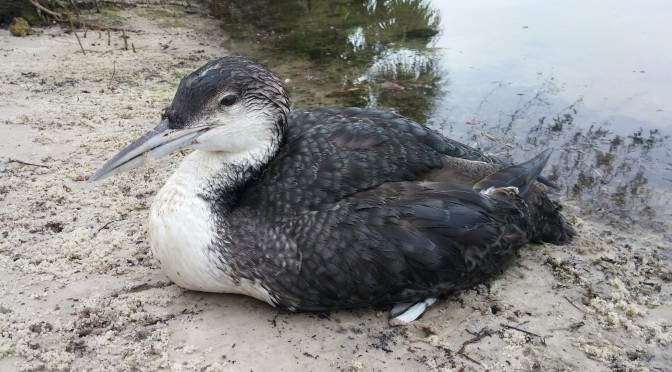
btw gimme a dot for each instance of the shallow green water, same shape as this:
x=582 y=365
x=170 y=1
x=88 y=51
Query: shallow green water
x=509 y=77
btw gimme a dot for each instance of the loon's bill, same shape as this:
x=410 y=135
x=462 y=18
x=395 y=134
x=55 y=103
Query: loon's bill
x=156 y=143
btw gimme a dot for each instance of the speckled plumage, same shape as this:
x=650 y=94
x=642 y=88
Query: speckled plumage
x=331 y=208
x=349 y=217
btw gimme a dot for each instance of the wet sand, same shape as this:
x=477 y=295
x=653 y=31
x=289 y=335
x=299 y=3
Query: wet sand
x=79 y=289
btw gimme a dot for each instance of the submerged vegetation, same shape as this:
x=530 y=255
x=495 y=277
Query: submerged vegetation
x=366 y=53
x=607 y=174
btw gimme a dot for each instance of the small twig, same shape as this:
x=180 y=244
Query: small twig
x=74 y=31
x=123 y=36
x=571 y=327
x=485 y=332
x=609 y=260
x=105 y=226
x=543 y=341
x=274 y=320
x=571 y=303
x=114 y=71
x=108 y=37
x=133 y=47
x=576 y=326
x=26 y=163
x=471 y=359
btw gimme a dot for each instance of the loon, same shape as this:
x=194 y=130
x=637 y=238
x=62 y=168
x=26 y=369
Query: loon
x=328 y=208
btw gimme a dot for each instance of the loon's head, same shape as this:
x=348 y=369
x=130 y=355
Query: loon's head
x=228 y=105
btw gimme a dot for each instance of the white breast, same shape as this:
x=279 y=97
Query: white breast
x=182 y=228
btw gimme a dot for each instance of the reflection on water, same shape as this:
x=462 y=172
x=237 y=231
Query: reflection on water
x=613 y=165
x=409 y=82
x=375 y=53
x=619 y=178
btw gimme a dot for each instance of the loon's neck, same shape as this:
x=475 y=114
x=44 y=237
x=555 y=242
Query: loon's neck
x=188 y=217
x=213 y=174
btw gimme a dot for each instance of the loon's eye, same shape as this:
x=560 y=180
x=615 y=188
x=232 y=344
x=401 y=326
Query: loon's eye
x=228 y=100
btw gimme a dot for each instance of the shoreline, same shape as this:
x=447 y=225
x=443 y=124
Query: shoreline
x=80 y=290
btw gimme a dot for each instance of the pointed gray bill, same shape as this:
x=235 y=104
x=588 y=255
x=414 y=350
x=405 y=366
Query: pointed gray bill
x=158 y=142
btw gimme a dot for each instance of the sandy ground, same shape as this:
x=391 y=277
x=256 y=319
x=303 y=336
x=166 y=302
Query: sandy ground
x=79 y=289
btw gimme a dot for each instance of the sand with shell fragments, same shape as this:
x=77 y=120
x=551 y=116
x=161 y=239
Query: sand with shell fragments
x=79 y=289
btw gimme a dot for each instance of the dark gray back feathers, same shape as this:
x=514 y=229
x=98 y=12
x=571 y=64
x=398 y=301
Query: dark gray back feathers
x=362 y=207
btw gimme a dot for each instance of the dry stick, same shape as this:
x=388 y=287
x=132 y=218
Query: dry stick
x=274 y=320
x=108 y=37
x=82 y=23
x=72 y=25
x=133 y=47
x=26 y=163
x=114 y=71
x=478 y=336
x=471 y=359
x=104 y=226
x=571 y=303
x=543 y=341
x=123 y=36
x=576 y=326
x=40 y=8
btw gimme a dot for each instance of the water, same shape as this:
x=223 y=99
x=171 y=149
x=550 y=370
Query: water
x=592 y=80
x=616 y=57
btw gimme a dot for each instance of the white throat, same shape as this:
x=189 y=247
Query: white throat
x=182 y=226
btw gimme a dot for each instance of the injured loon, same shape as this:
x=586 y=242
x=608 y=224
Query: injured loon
x=328 y=208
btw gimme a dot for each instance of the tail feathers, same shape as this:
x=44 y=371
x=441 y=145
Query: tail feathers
x=547 y=182
x=521 y=176
x=545 y=220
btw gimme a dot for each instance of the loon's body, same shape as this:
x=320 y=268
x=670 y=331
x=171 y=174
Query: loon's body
x=327 y=208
